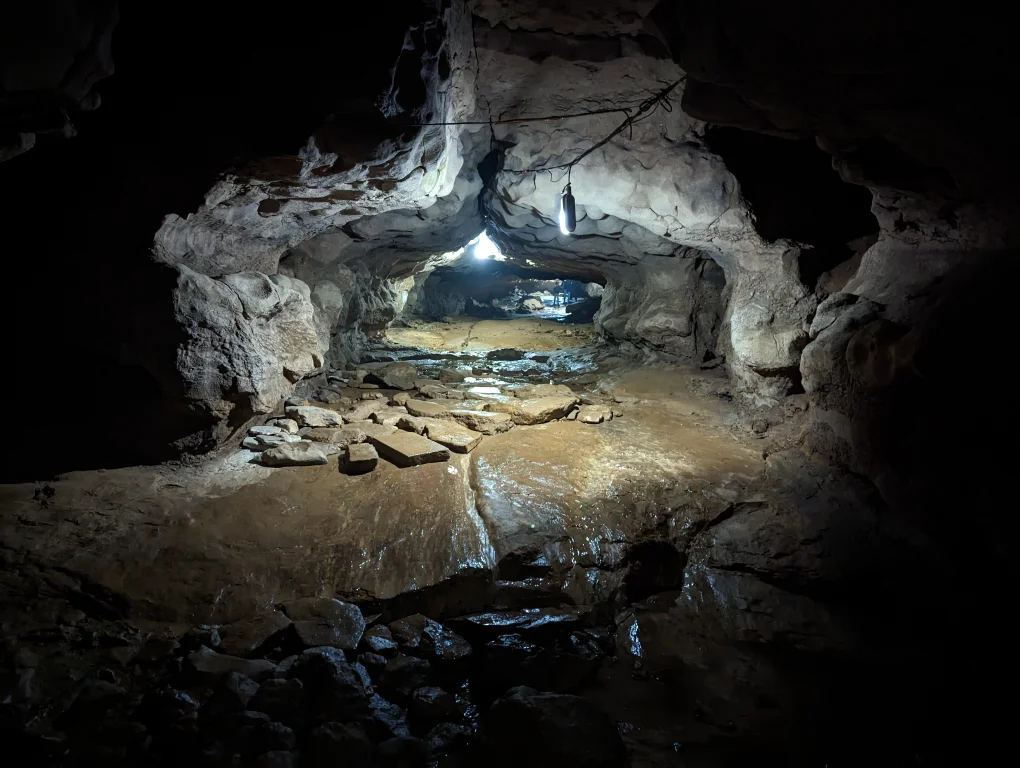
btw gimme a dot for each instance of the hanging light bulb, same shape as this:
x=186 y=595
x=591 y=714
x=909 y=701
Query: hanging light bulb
x=568 y=217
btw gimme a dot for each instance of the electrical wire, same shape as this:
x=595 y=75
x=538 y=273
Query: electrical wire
x=642 y=111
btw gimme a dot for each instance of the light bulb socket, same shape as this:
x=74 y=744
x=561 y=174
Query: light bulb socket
x=568 y=216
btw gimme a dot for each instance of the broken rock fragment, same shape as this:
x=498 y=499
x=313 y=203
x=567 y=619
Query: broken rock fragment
x=406 y=449
x=300 y=454
x=360 y=458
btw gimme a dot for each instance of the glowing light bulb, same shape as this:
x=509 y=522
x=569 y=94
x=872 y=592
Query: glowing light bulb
x=568 y=216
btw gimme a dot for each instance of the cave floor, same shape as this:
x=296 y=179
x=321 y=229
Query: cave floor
x=468 y=334
x=549 y=511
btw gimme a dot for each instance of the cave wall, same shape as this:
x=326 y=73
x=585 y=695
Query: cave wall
x=667 y=305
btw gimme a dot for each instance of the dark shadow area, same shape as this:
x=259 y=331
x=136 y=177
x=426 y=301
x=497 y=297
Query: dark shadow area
x=189 y=100
x=793 y=189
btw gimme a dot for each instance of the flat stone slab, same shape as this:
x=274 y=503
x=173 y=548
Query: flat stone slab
x=423 y=408
x=312 y=416
x=288 y=426
x=360 y=458
x=265 y=430
x=527 y=391
x=447 y=432
x=536 y=410
x=406 y=449
x=486 y=422
x=264 y=442
x=300 y=454
x=336 y=435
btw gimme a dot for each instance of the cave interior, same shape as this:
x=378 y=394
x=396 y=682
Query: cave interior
x=359 y=455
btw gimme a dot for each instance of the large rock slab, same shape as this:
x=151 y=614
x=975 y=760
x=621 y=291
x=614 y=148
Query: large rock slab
x=486 y=422
x=447 y=432
x=320 y=621
x=527 y=391
x=300 y=454
x=313 y=416
x=406 y=449
x=262 y=442
x=423 y=408
x=536 y=410
x=394 y=376
x=345 y=435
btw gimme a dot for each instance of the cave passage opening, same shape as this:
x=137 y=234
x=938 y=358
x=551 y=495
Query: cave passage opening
x=477 y=297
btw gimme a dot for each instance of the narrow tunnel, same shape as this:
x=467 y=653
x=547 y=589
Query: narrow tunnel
x=540 y=385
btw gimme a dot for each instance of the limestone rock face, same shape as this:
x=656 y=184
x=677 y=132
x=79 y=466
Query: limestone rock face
x=248 y=338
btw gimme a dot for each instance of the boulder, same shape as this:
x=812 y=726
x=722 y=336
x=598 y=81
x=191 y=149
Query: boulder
x=536 y=410
x=451 y=376
x=300 y=454
x=486 y=422
x=360 y=458
x=248 y=635
x=335 y=689
x=531 y=304
x=323 y=621
x=283 y=700
x=433 y=391
x=549 y=730
x=505 y=354
x=328 y=396
x=388 y=719
x=393 y=376
x=423 y=408
x=400 y=398
x=431 y=705
x=231 y=695
x=594 y=414
x=379 y=639
x=336 y=435
x=312 y=416
x=447 y=737
x=206 y=664
x=404 y=674
x=406 y=449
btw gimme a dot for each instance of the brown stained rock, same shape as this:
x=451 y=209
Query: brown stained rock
x=536 y=410
x=486 y=422
x=394 y=376
x=345 y=435
x=360 y=458
x=406 y=449
x=423 y=408
x=400 y=398
x=248 y=635
x=371 y=429
x=300 y=454
x=595 y=414
x=528 y=391
x=312 y=416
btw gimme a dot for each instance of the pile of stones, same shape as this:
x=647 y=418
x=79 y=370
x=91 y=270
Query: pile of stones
x=318 y=683
x=390 y=412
